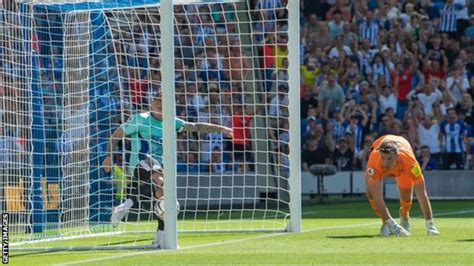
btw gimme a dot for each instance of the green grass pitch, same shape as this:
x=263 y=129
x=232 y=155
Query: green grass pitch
x=338 y=232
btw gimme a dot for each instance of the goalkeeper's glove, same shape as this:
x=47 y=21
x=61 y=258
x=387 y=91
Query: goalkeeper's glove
x=396 y=229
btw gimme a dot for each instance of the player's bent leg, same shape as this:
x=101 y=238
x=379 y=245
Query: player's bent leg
x=157 y=179
x=406 y=199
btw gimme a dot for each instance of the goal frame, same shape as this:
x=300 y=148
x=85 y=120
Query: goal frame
x=169 y=139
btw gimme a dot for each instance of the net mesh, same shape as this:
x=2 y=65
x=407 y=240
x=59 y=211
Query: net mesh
x=74 y=73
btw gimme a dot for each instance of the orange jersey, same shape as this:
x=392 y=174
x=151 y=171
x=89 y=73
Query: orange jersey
x=407 y=171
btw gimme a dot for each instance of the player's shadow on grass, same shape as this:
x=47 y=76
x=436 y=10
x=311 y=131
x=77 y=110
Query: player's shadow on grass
x=466 y=240
x=353 y=236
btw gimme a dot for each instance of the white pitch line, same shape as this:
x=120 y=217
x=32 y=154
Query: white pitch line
x=237 y=241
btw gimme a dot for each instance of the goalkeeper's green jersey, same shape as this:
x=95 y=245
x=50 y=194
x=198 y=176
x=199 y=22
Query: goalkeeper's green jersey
x=146 y=136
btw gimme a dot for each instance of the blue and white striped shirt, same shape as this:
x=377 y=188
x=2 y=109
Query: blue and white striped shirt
x=338 y=129
x=453 y=136
x=381 y=69
x=369 y=30
x=358 y=136
x=448 y=17
x=268 y=4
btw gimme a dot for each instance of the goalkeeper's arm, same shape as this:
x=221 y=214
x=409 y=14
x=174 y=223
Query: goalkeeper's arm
x=375 y=190
x=207 y=128
x=111 y=146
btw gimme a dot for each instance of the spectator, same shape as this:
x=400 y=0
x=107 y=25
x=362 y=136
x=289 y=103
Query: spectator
x=316 y=149
x=269 y=59
x=426 y=161
x=380 y=68
x=469 y=31
x=338 y=124
x=448 y=18
x=216 y=162
x=428 y=97
x=393 y=43
x=457 y=83
x=386 y=121
x=396 y=128
x=322 y=39
x=436 y=69
x=350 y=38
x=462 y=16
x=365 y=56
x=241 y=144
x=355 y=128
x=309 y=71
x=309 y=100
x=364 y=94
x=280 y=75
x=466 y=108
x=331 y=95
x=447 y=102
x=237 y=64
x=336 y=25
x=311 y=28
x=343 y=155
x=281 y=51
x=196 y=100
x=361 y=157
x=138 y=88
x=280 y=100
x=387 y=99
x=369 y=29
x=402 y=77
x=343 y=7
x=452 y=140
x=340 y=50
x=428 y=132
x=324 y=73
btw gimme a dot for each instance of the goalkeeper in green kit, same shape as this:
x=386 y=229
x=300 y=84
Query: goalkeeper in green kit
x=145 y=131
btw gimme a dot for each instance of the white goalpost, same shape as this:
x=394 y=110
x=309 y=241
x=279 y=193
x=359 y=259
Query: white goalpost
x=74 y=72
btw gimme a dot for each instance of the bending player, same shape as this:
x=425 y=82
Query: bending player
x=393 y=156
x=145 y=131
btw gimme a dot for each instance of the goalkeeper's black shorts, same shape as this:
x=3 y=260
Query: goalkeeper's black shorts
x=142 y=189
x=145 y=168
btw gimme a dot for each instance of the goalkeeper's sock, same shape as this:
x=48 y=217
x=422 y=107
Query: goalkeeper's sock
x=159 y=238
x=429 y=223
x=405 y=207
x=374 y=207
x=161 y=225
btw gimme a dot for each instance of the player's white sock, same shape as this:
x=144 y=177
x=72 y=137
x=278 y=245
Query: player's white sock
x=159 y=238
x=431 y=228
x=429 y=223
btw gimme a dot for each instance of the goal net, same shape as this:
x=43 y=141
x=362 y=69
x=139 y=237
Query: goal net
x=74 y=73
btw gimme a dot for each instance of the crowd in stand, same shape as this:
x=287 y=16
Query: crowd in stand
x=368 y=68
x=387 y=67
